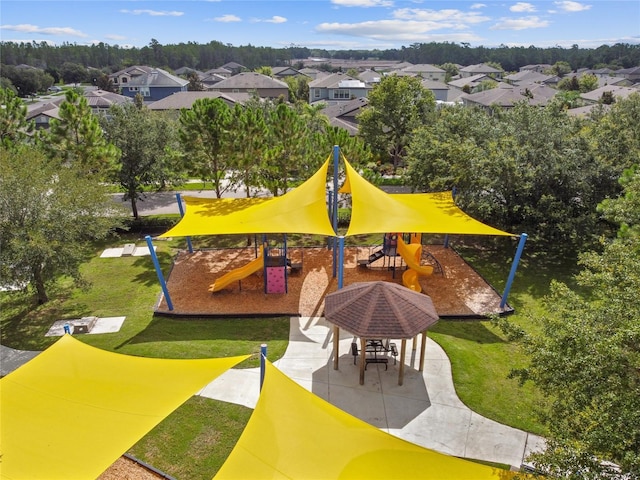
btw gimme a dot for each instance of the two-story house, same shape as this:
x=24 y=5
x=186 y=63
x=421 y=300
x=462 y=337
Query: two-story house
x=335 y=88
x=253 y=82
x=154 y=86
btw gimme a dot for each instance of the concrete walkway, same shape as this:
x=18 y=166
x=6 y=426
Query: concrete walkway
x=425 y=410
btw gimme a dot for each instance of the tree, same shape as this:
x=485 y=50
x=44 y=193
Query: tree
x=585 y=357
x=14 y=126
x=103 y=82
x=47 y=219
x=77 y=139
x=195 y=85
x=143 y=143
x=74 y=73
x=204 y=137
x=588 y=83
x=396 y=107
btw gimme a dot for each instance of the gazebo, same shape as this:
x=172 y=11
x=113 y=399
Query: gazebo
x=375 y=310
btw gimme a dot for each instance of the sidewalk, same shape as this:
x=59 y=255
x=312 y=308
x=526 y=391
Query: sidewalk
x=425 y=410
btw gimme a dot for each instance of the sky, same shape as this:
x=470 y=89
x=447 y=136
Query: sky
x=323 y=24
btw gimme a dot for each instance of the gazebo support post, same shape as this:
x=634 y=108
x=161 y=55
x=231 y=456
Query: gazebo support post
x=423 y=346
x=363 y=353
x=403 y=352
x=336 y=346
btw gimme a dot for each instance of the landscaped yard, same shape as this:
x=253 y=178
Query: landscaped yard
x=186 y=446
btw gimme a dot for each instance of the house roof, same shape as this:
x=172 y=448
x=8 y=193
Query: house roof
x=133 y=71
x=480 y=68
x=422 y=68
x=529 y=76
x=434 y=85
x=508 y=96
x=472 y=80
x=157 y=78
x=49 y=109
x=251 y=80
x=335 y=80
x=618 y=92
x=179 y=100
x=104 y=99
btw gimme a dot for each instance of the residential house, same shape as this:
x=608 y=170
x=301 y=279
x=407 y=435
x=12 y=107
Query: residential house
x=42 y=113
x=253 y=82
x=122 y=78
x=538 y=67
x=531 y=76
x=311 y=72
x=442 y=92
x=471 y=84
x=102 y=100
x=220 y=71
x=632 y=74
x=234 y=68
x=284 y=72
x=186 y=71
x=370 y=77
x=426 y=71
x=507 y=96
x=154 y=86
x=335 y=88
x=480 y=69
x=180 y=100
x=595 y=96
x=208 y=80
x=344 y=114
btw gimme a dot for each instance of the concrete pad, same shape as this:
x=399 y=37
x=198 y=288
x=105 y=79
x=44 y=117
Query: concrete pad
x=11 y=359
x=350 y=400
x=111 y=253
x=400 y=411
x=142 y=251
x=239 y=386
x=101 y=325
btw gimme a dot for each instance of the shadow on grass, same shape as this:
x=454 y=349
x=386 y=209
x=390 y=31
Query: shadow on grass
x=214 y=329
x=471 y=330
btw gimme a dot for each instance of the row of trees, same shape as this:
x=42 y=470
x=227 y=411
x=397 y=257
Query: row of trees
x=215 y=53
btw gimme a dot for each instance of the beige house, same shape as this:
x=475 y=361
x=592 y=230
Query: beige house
x=252 y=82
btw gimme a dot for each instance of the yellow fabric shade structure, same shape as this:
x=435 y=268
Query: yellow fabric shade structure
x=375 y=211
x=301 y=210
x=294 y=434
x=74 y=409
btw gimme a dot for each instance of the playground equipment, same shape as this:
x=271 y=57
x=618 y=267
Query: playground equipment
x=394 y=245
x=411 y=253
x=274 y=263
x=239 y=273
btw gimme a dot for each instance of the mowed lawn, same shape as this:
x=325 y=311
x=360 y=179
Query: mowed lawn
x=194 y=441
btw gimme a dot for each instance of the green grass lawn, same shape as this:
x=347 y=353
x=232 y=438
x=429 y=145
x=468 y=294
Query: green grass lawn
x=195 y=440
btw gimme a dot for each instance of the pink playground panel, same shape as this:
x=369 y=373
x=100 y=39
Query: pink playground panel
x=276 y=280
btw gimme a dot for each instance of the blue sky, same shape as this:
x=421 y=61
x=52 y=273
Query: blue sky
x=325 y=24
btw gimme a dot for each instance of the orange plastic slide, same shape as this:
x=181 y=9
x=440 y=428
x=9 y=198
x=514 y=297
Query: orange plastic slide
x=239 y=273
x=412 y=253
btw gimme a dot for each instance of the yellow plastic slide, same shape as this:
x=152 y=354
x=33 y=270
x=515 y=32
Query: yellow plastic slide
x=239 y=273
x=412 y=253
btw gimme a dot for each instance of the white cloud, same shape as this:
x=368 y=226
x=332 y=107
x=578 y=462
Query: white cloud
x=154 y=13
x=569 y=6
x=476 y=6
x=522 y=7
x=394 y=30
x=449 y=18
x=28 y=28
x=276 y=19
x=522 y=23
x=227 y=19
x=363 y=3
x=116 y=37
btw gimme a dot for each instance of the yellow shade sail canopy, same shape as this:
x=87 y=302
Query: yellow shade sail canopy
x=301 y=210
x=294 y=434
x=375 y=211
x=74 y=409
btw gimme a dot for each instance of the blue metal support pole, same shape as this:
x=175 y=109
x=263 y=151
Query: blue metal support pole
x=340 y=261
x=336 y=159
x=263 y=358
x=156 y=264
x=181 y=208
x=514 y=267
